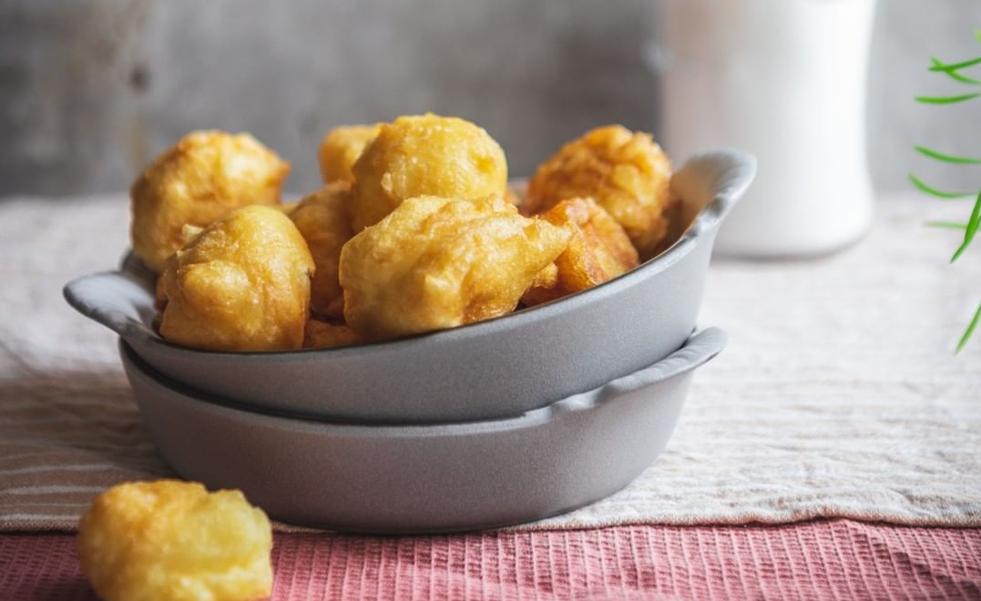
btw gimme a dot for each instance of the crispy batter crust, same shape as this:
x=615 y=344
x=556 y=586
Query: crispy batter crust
x=242 y=284
x=322 y=219
x=436 y=263
x=425 y=155
x=341 y=148
x=173 y=541
x=598 y=251
x=200 y=179
x=625 y=172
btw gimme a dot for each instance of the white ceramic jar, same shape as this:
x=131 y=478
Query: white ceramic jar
x=786 y=80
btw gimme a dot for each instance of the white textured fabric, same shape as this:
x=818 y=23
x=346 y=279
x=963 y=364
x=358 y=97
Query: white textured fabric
x=839 y=394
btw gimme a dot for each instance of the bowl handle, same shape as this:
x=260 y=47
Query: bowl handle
x=700 y=348
x=712 y=182
x=118 y=300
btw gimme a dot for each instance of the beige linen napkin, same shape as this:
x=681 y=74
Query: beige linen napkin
x=838 y=395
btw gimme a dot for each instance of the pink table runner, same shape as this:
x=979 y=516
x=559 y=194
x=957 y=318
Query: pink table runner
x=837 y=559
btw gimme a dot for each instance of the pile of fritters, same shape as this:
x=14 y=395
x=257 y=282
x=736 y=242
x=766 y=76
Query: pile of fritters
x=415 y=230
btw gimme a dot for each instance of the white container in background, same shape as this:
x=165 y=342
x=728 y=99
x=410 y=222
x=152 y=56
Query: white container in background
x=786 y=80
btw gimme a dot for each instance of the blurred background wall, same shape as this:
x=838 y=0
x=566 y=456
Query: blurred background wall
x=90 y=90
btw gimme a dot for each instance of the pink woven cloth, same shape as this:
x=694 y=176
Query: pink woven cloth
x=837 y=559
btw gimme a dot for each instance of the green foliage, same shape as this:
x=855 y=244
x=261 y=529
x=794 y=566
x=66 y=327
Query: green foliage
x=947 y=99
x=970 y=229
x=927 y=189
x=956 y=66
x=954 y=74
x=970 y=329
x=973 y=224
x=947 y=158
x=948 y=225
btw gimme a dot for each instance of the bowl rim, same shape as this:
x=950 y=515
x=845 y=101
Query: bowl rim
x=725 y=194
x=701 y=347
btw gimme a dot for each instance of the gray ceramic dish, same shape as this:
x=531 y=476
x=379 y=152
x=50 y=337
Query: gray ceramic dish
x=424 y=478
x=491 y=369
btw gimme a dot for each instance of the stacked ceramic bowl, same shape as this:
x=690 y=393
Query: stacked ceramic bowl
x=503 y=421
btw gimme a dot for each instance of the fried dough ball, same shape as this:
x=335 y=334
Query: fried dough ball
x=546 y=278
x=323 y=334
x=512 y=197
x=200 y=179
x=170 y=540
x=626 y=172
x=242 y=284
x=425 y=155
x=341 y=147
x=322 y=219
x=436 y=263
x=599 y=250
x=288 y=207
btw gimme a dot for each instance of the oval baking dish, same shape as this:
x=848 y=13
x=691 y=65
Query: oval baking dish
x=424 y=478
x=494 y=368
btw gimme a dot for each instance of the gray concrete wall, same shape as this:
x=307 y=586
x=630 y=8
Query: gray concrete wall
x=92 y=89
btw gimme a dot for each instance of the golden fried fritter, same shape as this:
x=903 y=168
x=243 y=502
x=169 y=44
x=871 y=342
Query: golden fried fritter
x=322 y=218
x=173 y=541
x=512 y=197
x=323 y=334
x=341 y=147
x=242 y=284
x=436 y=263
x=205 y=175
x=625 y=172
x=425 y=155
x=546 y=278
x=288 y=207
x=598 y=251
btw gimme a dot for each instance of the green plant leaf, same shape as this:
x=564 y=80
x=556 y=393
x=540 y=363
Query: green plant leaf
x=956 y=66
x=970 y=330
x=947 y=225
x=954 y=74
x=926 y=189
x=947 y=99
x=971 y=230
x=947 y=158
x=952 y=70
